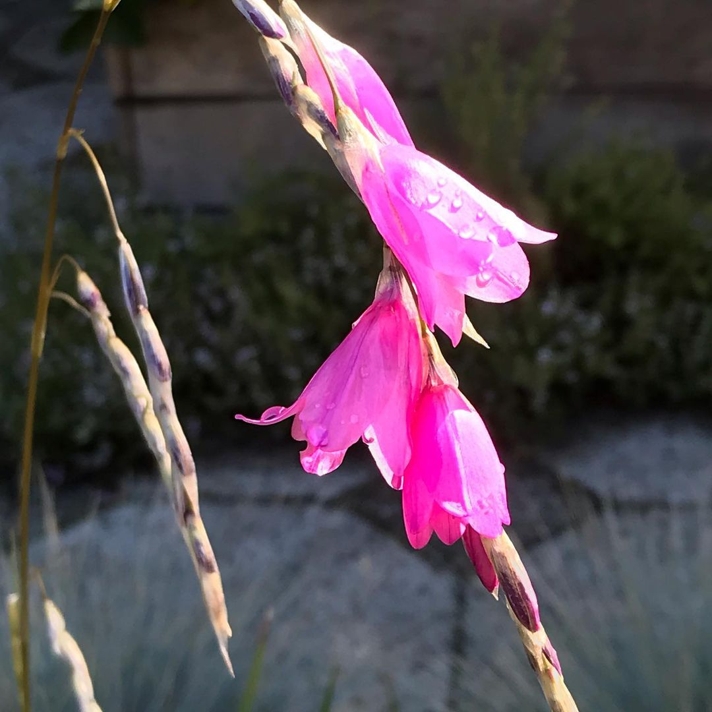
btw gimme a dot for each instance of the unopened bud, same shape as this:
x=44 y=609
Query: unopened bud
x=478 y=556
x=131 y=280
x=283 y=68
x=551 y=655
x=262 y=17
x=515 y=581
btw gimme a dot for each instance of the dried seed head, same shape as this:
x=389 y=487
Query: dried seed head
x=154 y=351
x=90 y=296
x=262 y=17
x=131 y=280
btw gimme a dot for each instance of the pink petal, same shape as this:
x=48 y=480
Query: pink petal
x=320 y=462
x=275 y=414
x=351 y=386
x=448 y=528
x=432 y=186
x=478 y=556
x=358 y=84
x=417 y=508
x=438 y=297
x=468 y=480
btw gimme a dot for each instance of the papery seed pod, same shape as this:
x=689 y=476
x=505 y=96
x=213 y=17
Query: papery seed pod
x=262 y=17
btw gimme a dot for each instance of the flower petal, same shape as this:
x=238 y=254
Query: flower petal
x=320 y=462
x=275 y=414
x=358 y=84
x=417 y=508
x=448 y=528
x=478 y=556
x=471 y=483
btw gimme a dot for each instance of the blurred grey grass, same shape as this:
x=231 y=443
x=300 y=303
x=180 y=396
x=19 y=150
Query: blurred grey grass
x=159 y=423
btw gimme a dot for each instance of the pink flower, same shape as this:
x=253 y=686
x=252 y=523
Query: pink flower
x=357 y=82
x=454 y=482
x=452 y=239
x=366 y=389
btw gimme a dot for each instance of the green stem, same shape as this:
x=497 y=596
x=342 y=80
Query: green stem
x=38 y=336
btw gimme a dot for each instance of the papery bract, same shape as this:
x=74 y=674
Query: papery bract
x=454 y=480
x=366 y=388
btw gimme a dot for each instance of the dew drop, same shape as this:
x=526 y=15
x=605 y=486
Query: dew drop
x=353 y=419
x=467 y=232
x=364 y=372
x=501 y=236
x=456 y=204
x=331 y=406
x=484 y=278
x=514 y=276
x=442 y=182
x=433 y=198
x=479 y=215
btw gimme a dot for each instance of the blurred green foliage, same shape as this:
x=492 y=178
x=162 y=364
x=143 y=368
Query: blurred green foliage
x=248 y=306
x=618 y=312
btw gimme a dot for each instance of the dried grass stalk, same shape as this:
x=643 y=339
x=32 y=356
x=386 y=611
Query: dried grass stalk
x=524 y=610
x=65 y=647
x=12 y=605
x=173 y=456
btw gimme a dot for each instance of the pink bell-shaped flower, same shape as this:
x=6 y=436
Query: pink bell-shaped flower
x=452 y=239
x=454 y=482
x=366 y=389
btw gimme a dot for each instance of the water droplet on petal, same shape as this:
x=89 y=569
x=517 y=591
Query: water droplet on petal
x=331 y=406
x=317 y=406
x=364 y=372
x=442 y=181
x=479 y=215
x=353 y=419
x=501 y=236
x=433 y=198
x=484 y=278
x=467 y=232
x=514 y=276
x=456 y=204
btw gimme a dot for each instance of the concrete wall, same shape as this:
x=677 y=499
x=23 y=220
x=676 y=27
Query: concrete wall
x=200 y=114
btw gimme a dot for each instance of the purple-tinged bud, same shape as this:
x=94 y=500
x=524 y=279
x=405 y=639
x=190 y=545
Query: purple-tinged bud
x=131 y=280
x=262 y=17
x=514 y=580
x=551 y=655
x=283 y=68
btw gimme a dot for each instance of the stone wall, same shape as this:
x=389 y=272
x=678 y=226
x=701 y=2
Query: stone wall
x=200 y=112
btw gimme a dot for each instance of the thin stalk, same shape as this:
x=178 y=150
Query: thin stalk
x=38 y=336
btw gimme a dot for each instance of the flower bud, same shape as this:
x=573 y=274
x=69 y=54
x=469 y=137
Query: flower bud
x=514 y=580
x=262 y=17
